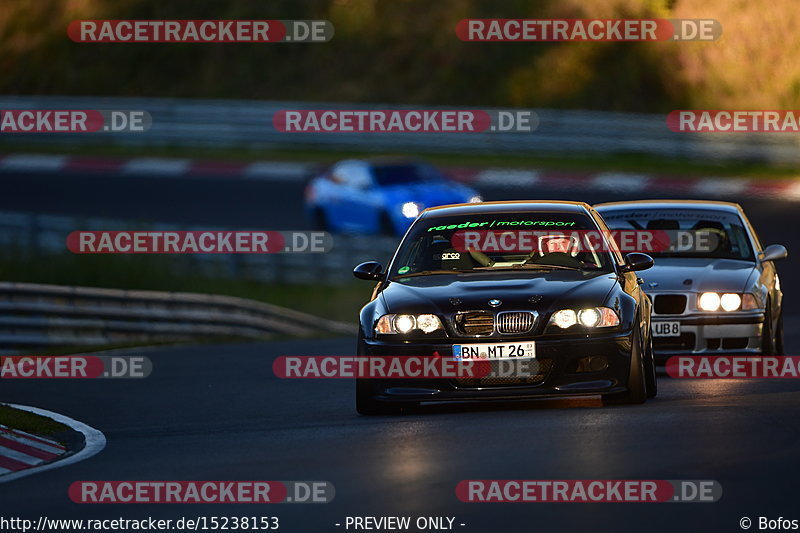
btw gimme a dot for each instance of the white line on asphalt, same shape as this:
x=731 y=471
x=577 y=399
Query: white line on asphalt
x=621 y=182
x=278 y=171
x=157 y=166
x=33 y=162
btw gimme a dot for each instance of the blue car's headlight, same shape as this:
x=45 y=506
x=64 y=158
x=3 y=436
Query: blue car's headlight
x=410 y=210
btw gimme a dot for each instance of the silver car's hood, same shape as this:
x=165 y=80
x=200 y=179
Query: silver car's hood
x=697 y=275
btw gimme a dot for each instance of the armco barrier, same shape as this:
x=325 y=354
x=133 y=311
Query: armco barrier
x=242 y=123
x=37 y=315
x=37 y=235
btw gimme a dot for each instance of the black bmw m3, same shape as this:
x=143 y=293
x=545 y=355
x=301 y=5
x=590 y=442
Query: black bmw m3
x=499 y=281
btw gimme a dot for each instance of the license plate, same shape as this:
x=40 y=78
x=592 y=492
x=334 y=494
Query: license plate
x=509 y=350
x=666 y=329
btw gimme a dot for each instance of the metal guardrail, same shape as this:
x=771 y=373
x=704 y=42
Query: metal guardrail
x=240 y=123
x=36 y=235
x=37 y=315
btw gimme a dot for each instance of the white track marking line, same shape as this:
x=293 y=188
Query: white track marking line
x=33 y=162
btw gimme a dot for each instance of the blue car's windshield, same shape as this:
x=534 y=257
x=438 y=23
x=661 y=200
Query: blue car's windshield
x=502 y=242
x=700 y=233
x=401 y=174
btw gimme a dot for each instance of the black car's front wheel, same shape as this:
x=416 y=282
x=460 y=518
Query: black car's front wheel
x=366 y=404
x=779 y=347
x=637 y=376
x=769 y=342
x=651 y=380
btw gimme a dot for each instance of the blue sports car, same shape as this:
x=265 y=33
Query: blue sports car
x=379 y=196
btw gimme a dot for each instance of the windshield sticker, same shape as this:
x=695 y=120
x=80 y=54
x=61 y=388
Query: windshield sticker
x=403 y=270
x=493 y=223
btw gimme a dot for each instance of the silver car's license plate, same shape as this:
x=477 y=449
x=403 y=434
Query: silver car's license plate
x=508 y=350
x=666 y=329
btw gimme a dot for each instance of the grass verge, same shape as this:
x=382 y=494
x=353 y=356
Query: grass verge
x=140 y=272
x=31 y=423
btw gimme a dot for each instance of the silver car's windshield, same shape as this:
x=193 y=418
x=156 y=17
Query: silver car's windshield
x=700 y=233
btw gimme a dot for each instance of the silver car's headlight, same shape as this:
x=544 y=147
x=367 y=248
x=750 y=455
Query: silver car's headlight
x=590 y=317
x=399 y=324
x=728 y=301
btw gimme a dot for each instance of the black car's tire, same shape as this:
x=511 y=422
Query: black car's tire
x=650 y=370
x=779 y=346
x=367 y=405
x=637 y=380
x=767 y=335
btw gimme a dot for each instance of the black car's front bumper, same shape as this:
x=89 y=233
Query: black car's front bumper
x=559 y=360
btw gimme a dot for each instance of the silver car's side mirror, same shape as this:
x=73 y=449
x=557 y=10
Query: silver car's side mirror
x=773 y=252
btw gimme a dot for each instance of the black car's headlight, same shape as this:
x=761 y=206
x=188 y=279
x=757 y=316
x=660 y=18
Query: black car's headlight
x=590 y=317
x=399 y=324
x=728 y=301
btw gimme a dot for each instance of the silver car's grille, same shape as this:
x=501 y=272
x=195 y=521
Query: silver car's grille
x=515 y=322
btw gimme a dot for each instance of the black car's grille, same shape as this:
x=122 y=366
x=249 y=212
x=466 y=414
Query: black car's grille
x=669 y=304
x=541 y=367
x=684 y=342
x=515 y=322
x=475 y=323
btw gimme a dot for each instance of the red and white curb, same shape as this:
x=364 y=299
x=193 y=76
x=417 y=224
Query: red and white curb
x=20 y=450
x=289 y=171
x=23 y=454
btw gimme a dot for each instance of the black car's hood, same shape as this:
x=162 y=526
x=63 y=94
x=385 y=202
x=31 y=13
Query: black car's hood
x=697 y=275
x=542 y=291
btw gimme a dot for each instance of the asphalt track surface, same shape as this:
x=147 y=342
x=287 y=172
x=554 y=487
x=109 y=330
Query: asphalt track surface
x=217 y=412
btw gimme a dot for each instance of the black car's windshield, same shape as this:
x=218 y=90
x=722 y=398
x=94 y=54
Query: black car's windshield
x=403 y=173
x=521 y=241
x=700 y=233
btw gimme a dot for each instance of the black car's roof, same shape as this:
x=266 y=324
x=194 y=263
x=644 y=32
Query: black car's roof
x=729 y=207
x=522 y=206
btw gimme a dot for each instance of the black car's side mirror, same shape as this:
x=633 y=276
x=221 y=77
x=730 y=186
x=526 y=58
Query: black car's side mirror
x=773 y=252
x=371 y=270
x=635 y=261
